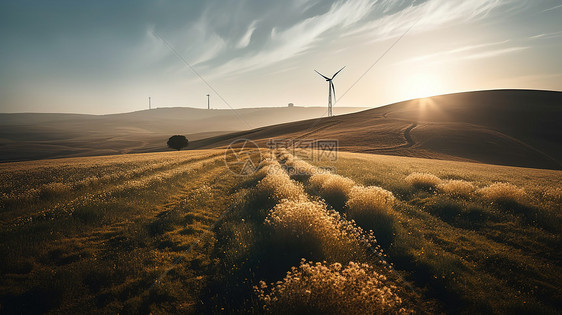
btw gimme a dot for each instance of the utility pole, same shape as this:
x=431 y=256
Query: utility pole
x=149 y=103
x=208 y=102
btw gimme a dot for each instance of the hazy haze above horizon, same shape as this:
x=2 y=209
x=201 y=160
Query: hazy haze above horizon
x=109 y=57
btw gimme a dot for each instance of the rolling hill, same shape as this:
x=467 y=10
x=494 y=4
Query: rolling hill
x=31 y=136
x=506 y=127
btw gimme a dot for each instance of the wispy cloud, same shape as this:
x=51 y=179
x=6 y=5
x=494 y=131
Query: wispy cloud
x=546 y=35
x=468 y=52
x=553 y=8
x=495 y=53
x=369 y=20
x=198 y=42
x=245 y=40
x=452 y=53
x=299 y=38
x=428 y=15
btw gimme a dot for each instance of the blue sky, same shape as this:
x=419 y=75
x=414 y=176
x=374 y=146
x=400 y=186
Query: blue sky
x=110 y=56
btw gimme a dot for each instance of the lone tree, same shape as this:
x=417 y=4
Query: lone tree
x=177 y=142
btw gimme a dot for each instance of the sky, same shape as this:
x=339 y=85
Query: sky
x=102 y=57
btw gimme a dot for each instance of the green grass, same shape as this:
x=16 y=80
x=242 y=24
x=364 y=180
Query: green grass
x=472 y=252
x=95 y=235
x=101 y=247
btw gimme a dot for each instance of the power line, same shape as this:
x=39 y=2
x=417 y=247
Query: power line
x=381 y=56
x=317 y=120
x=180 y=57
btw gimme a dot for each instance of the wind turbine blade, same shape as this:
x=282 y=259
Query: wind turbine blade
x=337 y=72
x=325 y=77
x=333 y=89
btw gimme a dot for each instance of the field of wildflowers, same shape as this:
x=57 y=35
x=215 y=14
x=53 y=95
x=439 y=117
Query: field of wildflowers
x=178 y=233
x=477 y=237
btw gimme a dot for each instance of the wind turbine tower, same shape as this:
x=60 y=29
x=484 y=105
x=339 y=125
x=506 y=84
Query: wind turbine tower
x=331 y=89
x=149 y=103
x=208 y=102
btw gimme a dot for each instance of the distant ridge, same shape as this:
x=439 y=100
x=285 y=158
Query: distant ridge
x=31 y=136
x=506 y=127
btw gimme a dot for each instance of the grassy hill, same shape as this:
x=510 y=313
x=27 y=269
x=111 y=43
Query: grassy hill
x=31 y=136
x=508 y=127
x=177 y=232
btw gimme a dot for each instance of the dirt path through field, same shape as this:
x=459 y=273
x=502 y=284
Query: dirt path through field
x=316 y=130
x=408 y=136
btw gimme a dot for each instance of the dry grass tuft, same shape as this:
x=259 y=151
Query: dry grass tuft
x=285 y=156
x=311 y=224
x=300 y=167
x=278 y=185
x=268 y=155
x=332 y=289
x=503 y=192
x=333 y=188
x=268 y=166
x=317 y=180
x=52 y=190
x=371 y=207
x=304 y=220
x=371 y=200
x=423 y=181
x=457 y=188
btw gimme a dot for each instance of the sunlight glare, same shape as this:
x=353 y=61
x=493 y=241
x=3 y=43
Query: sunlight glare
x=422 y=85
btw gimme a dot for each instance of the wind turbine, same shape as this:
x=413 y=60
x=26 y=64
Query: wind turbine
x=330 y=89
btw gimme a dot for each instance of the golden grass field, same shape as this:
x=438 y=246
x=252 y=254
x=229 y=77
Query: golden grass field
x=178 y=232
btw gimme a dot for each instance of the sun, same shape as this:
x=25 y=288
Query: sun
x=421 y=85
